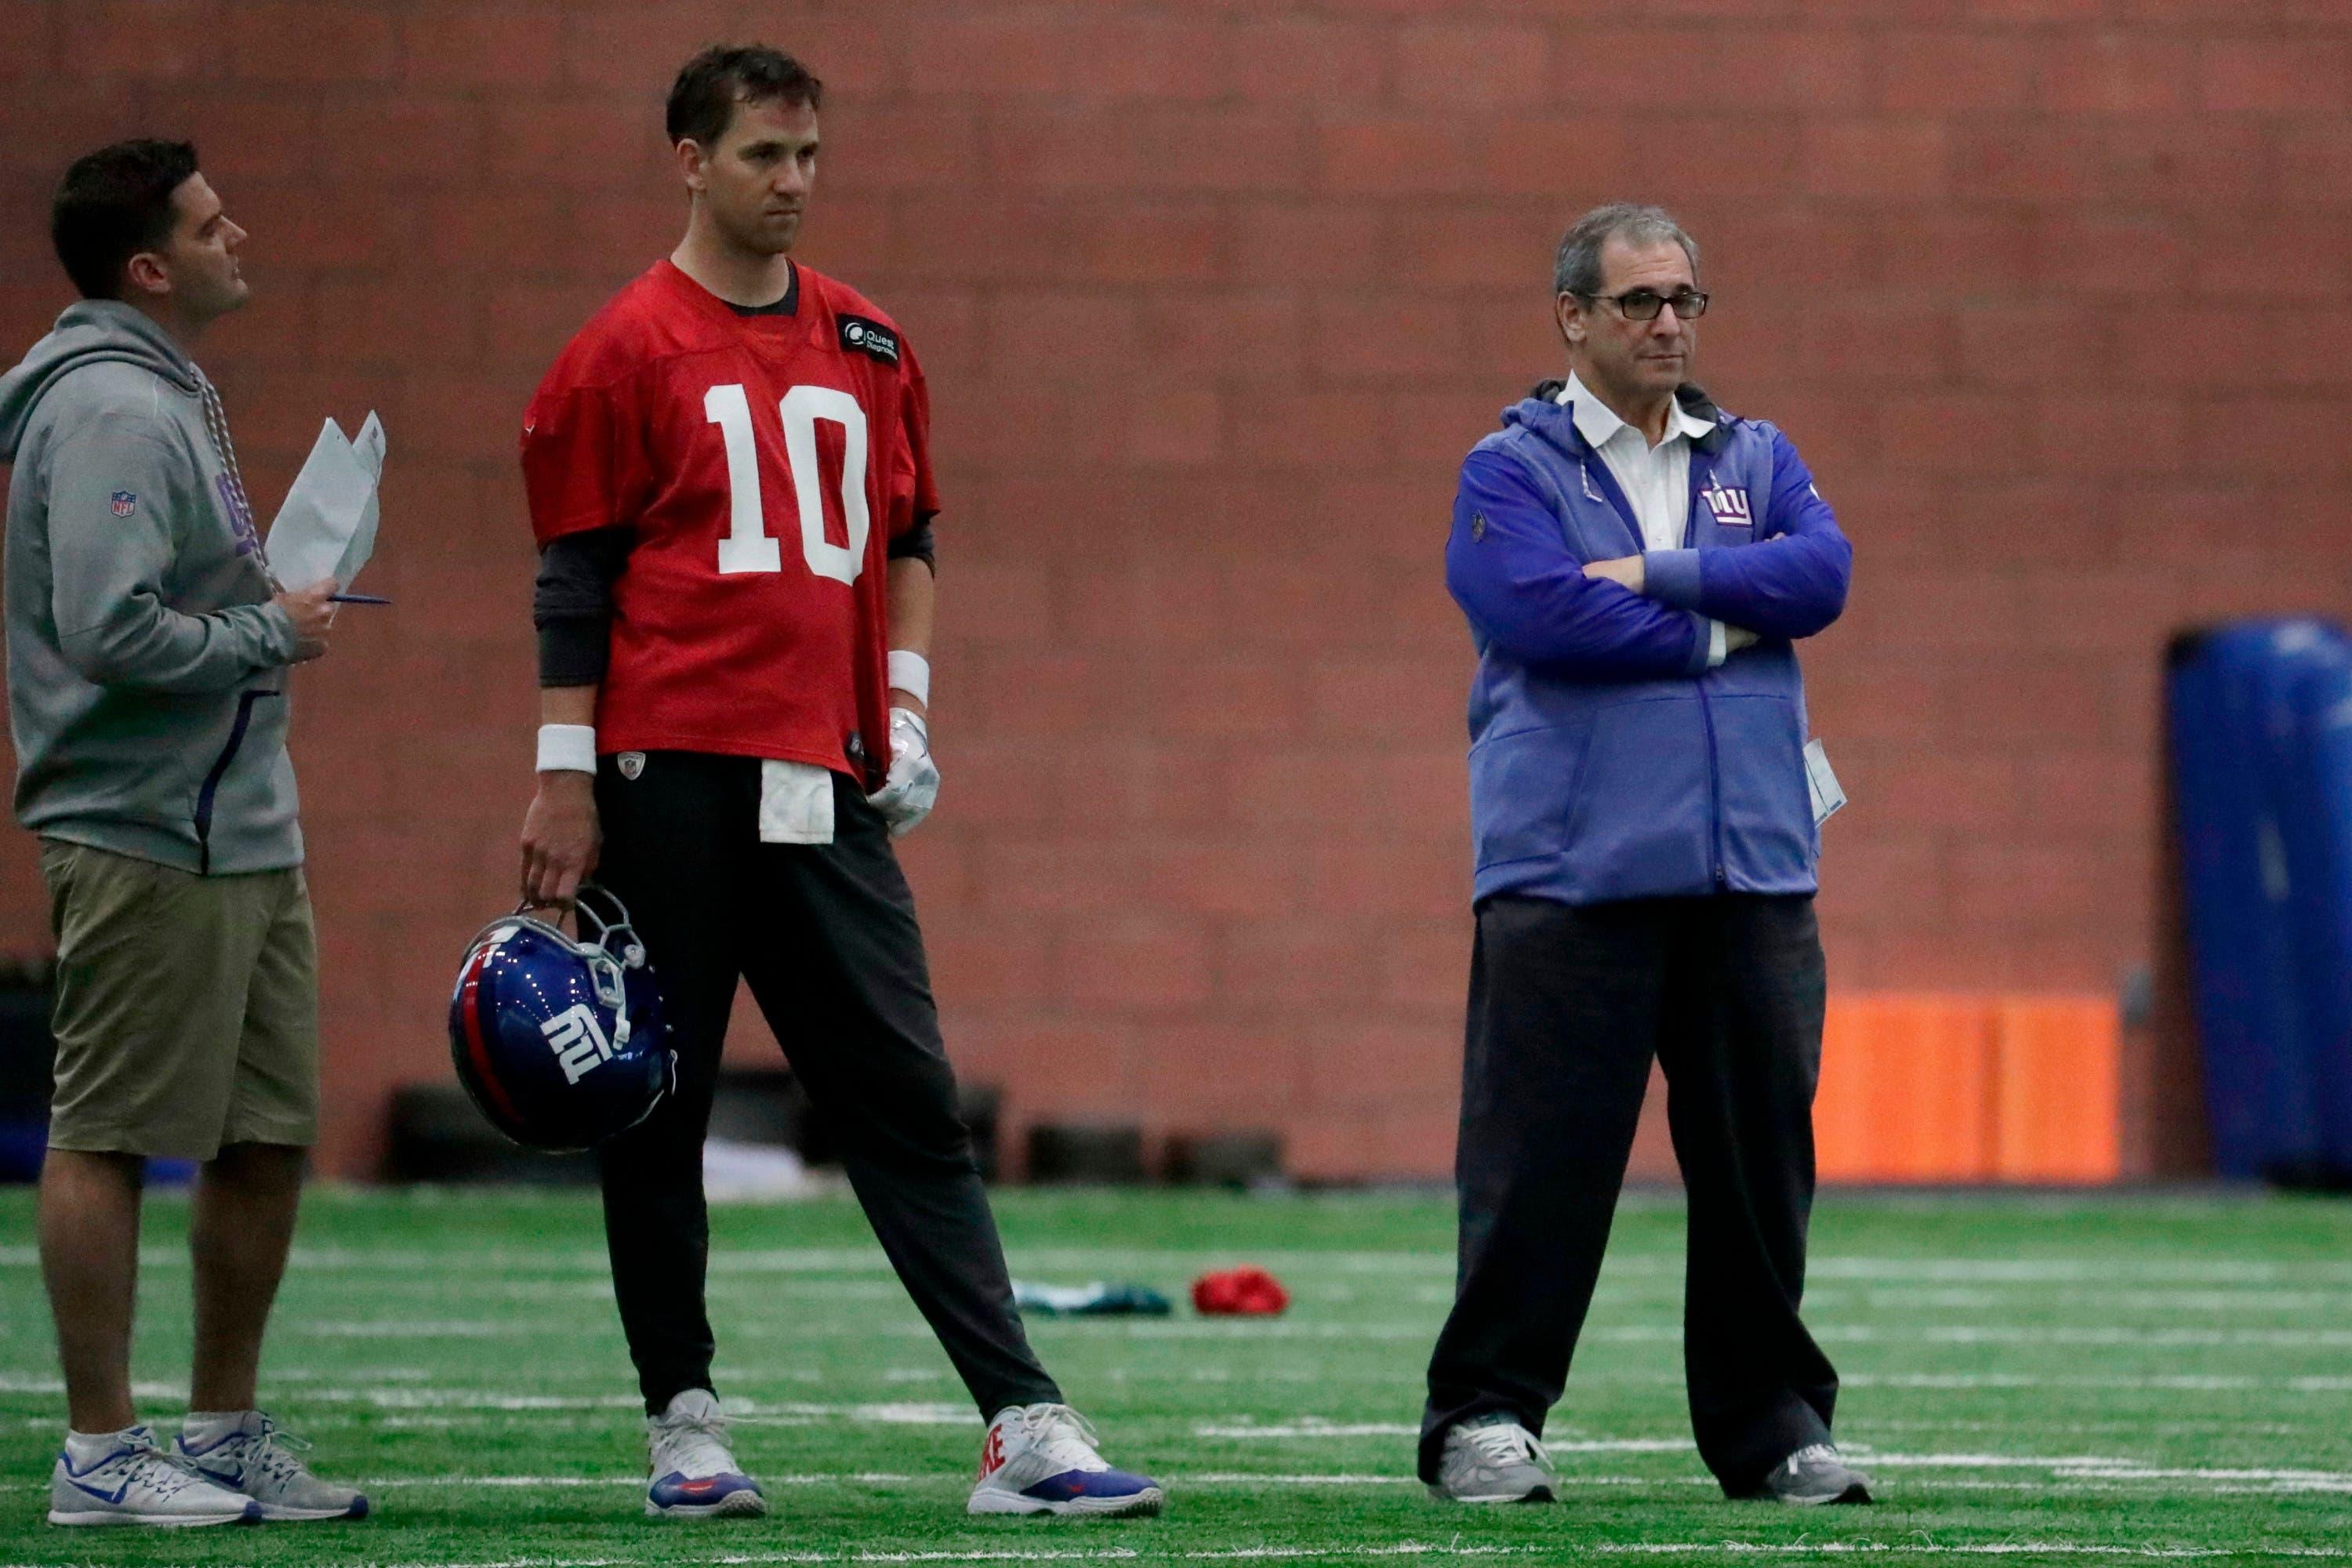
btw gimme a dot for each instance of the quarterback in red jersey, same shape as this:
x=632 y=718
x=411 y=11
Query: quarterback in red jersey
x=707 y=427
x=730 y=484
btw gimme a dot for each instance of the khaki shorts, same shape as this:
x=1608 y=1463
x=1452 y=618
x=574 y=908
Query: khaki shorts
x=187 y=1009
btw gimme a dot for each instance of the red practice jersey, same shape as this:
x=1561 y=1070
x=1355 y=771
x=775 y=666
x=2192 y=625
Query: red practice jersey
x=762 y=463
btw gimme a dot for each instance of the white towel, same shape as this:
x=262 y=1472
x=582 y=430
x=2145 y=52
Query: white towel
x=795 y=803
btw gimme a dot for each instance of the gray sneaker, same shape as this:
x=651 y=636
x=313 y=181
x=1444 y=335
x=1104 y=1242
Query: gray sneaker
x=257 y=1460
x=138 y=1483
x=1812 y=1476
x=1492 y=1459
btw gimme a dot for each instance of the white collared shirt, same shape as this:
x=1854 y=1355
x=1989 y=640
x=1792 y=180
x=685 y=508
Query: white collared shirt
x=1655 y=479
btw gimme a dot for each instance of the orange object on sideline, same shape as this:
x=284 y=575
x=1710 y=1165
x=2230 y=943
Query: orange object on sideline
x=2059 y=1060
x=1956 y=1087
x=1906 y=1090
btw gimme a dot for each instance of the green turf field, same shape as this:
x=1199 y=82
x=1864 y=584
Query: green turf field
x=2032 y=1379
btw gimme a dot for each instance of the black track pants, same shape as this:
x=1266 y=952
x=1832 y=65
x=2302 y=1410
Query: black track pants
x=1568 y=1005
x=825 y=935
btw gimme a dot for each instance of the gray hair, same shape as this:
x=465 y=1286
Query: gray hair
x=1576 y=270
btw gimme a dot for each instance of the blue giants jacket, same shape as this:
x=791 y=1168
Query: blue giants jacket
x=1606 y=760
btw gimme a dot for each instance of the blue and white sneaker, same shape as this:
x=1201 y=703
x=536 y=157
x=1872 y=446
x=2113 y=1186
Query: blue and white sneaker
x=1041 y=1458
x=129 y=1480
x=245 y=1452
x=694 y=1471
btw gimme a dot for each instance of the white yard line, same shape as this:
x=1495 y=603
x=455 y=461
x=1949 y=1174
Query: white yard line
x=1240 y=1328
x=1863 y=1455
x=1246 y=1478
x=1264 y=1331
x=395 y=1483
x=2098 y=1272
x=2004 y=1296
x=16 y=1383
x=1309 y=1427
x=2095 y=1467
x=1980 y=1334
x=1313 y=1427
x=2061 y=1467
x=879 y=1413
x=1411 y=1548
x=495 y=1290
x=2327 y=1301
x=2318 y=1480
x=518 y=1327
x=467 y=1399
x=2187 y=1383
x=782 y=1412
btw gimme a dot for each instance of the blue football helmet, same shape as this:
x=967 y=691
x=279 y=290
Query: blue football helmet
x=559 y=1042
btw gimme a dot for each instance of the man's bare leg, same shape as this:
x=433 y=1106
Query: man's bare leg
x=239 y=1230
x=89 y=1260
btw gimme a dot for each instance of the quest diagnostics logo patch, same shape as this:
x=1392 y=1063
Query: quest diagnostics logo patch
x=871 y=338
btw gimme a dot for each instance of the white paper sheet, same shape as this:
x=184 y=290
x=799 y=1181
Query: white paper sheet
x=327 y=527
x=1821 y=784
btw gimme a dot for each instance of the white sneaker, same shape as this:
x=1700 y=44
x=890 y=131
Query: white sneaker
x=137 y=1483
x=1041 y=1458
x=1492 y=1459
x=694 y=1471
x=250 y=1455
x=1814 y=1475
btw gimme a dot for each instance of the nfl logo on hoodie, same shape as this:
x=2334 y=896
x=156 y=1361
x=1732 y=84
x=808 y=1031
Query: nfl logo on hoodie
x=125 y=503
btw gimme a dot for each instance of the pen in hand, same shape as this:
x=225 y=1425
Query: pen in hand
x=355 y=599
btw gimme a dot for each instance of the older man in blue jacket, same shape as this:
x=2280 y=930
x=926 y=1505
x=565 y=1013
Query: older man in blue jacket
x=1636 y=564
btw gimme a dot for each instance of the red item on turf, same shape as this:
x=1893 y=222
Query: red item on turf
x=1239 y=1292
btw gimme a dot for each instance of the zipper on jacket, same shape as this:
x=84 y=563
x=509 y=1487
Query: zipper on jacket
x=1713 y=791
x=1702 y=468
x=1612 y=495
x=219 y=770
x=1699 y=472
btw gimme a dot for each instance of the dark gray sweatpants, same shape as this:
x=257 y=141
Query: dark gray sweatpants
x=1568 y=1005
x=825 y=935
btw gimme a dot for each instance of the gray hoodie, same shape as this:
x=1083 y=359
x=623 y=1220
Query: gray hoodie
x=146 y=665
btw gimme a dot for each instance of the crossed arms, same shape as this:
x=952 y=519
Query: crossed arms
x=1509 y=566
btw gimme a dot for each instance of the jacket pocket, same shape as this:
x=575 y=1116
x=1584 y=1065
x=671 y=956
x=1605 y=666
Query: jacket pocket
x=1522 y=788
x=131 y=759
x=209 y=792
x=1639 y=826
x=1768 y=817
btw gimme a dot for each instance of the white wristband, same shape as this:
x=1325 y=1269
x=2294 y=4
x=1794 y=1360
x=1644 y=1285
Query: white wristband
x=911 y=673
x=567 y=748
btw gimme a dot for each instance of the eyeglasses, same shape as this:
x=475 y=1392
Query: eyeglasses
x=1643 y=304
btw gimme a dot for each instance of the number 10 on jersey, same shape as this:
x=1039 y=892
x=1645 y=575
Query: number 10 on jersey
x=747 y=546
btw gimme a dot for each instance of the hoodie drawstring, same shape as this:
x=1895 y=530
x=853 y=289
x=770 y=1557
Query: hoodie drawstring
x=217 y=428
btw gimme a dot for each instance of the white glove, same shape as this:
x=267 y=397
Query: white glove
x=912 y=787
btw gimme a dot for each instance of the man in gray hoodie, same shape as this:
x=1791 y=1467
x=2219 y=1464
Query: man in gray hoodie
x=148 y=654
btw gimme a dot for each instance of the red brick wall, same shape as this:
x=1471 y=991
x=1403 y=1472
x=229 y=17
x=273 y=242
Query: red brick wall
x=2056 y=295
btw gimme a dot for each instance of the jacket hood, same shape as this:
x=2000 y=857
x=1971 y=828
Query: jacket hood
x=88 y=331
x=1541 y=412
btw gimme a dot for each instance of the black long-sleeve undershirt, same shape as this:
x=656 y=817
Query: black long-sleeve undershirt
x=571 y=604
